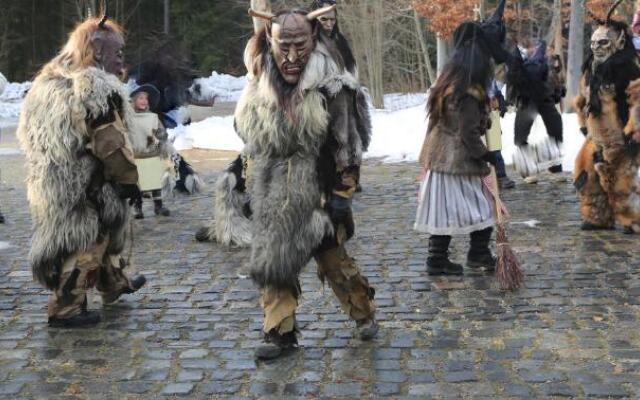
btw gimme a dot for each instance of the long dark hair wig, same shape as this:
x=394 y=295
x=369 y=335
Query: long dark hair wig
x=470 y=66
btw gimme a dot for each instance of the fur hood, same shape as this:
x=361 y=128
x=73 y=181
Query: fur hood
x=70 y=203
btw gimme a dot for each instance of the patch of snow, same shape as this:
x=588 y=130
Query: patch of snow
x=212 y=133
x=226 y=88
x=531 y=223
x=399 y=101
x=5 y=245
x=11 y=98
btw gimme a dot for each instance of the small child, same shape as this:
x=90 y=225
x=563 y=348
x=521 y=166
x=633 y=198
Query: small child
x=151 y=148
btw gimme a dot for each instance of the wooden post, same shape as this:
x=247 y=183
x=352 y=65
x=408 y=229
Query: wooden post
x=576 y=49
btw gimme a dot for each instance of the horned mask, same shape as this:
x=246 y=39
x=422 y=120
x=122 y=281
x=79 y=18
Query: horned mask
x=606 y=40
x=291 y=36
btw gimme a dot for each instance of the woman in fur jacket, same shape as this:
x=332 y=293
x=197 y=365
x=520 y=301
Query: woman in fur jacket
x=452 y=198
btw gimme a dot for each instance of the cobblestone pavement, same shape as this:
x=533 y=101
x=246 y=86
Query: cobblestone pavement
x=572 y=332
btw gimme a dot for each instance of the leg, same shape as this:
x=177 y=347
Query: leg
x=112 y=281
x=138 y=208
x=594 y=202
x=158 y=208
x=553 y=123
x=350 y=287
x=67 y=304
x=624 y=194
x=279 y=326
x=501 y=172
x=479 y=255
x=525 y=116
x=438 y=260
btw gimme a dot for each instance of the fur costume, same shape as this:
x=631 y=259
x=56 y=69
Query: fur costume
x=296 y=162
x=606 y=171
x=71 y=203
x=230 y=225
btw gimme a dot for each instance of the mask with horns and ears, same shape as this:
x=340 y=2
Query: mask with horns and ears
x=608 y=38
x=291 y=35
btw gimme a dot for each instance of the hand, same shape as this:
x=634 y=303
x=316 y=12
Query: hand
x=340 y=214
x=491 y=158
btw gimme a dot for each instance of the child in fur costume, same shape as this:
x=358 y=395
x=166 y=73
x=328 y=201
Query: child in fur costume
x=453 y=200
x=151 y=149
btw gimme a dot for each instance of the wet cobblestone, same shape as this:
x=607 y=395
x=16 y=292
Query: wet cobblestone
x=572 y=331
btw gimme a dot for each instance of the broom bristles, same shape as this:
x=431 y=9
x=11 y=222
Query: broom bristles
x=508 y=272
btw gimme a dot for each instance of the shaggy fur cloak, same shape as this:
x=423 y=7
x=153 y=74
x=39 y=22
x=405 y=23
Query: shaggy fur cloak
x=295 y=158
x=71 y=205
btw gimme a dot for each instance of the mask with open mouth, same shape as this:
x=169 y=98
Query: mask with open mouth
x=292 y=40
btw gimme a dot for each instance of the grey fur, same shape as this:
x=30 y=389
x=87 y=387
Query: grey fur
x=230 y=226
x=67 y=215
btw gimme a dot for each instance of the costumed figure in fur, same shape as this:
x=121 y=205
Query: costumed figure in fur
x=151 y=149
x=330 y=29
x=606 y=168
x=294 y=118
x=531 y=89
x=81 y=172
x=453 y=199
x=230 y=223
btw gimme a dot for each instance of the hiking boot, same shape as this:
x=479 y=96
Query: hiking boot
x=438 y=260
x=628 y=230
x=135 y=285
x=556 y=169
x=84 y=319
x=479 y=255
x=275 y=345
x=505 y=182
x=159 y=209
x=367 y=329
x=138 y=214
x=202 y=235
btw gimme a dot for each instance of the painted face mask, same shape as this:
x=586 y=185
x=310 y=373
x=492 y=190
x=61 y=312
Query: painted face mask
x=108 y=48
x=605 y=42
x=328 y=21
x=292 y=41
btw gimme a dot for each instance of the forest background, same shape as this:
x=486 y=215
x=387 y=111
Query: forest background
x=400 y=45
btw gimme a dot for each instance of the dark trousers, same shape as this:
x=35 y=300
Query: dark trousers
x=501 y=170
x=526 y=115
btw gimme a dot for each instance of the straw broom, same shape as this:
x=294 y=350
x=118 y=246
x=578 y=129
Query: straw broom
x=508 y=271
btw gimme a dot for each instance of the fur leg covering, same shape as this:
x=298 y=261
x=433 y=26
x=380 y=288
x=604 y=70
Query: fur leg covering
x=231 y=226
x=594 y=202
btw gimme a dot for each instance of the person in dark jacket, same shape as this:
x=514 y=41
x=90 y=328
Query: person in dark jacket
x=533 y=95
x=453 y=200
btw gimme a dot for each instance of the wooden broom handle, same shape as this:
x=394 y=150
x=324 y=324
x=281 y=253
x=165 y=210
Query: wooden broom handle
x=496 y=194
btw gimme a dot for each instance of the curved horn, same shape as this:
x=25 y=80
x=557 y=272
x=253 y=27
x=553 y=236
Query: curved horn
x=320 y=11
x=261 y=14
x=498 y=14
x=105 y=17
x=612 y=9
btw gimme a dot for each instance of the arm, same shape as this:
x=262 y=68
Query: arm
x=110 y=146
x=471 y=127
x=580 y=103
x=342 y=126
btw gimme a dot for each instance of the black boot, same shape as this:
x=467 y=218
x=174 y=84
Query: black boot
x=479 y=255
x=588 y=226
x=138 y=209
x=159 y=209
x=438 y=260
x=1 y=218
x=556 y=169
x=202 y=235
x=85 y=318
x=504 y=182
x=275 y=345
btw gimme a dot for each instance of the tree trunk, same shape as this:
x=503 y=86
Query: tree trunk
x=443 y=54
x=576 y=51
x=423 y=46
x=167 y=14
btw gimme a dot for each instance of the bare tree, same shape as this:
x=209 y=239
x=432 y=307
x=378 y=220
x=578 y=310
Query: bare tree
x=576 y=50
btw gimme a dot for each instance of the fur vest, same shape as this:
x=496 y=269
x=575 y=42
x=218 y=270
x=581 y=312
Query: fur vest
x=454 y=144
x=71 y=204
x=293 y=160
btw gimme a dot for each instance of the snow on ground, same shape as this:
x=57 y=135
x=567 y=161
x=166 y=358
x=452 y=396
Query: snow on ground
x=224 y=87
x=11 y=99
x=397 y=133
